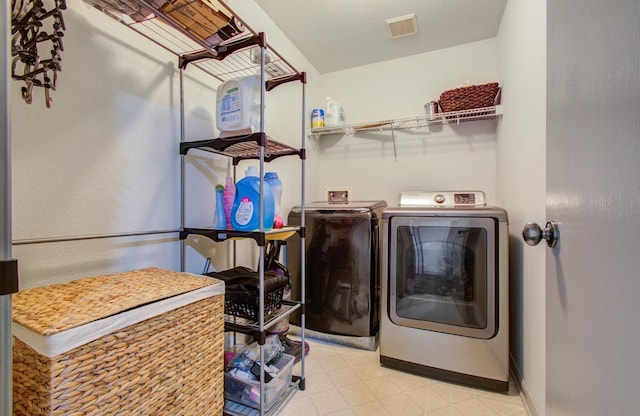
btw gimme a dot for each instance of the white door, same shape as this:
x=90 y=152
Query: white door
x=593 y=192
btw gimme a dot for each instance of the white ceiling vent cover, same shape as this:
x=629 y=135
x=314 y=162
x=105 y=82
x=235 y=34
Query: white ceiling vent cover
x=402 y=26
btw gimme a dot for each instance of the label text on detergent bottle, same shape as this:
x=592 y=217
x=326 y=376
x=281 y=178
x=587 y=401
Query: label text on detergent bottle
x=231 y=105
x=245 y=211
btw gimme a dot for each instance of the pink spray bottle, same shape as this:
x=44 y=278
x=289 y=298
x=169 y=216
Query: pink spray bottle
x=227 y=200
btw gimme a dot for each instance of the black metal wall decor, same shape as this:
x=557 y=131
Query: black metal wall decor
x=37 y=30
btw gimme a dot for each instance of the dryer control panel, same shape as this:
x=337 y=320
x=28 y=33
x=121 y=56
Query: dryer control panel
x=443 y=199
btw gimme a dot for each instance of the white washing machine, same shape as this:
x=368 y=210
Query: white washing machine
x=445 y=309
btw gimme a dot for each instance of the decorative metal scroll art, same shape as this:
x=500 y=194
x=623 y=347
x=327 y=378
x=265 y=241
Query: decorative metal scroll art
x=37 y=30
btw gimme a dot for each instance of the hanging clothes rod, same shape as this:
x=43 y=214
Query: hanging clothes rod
x=90 y=237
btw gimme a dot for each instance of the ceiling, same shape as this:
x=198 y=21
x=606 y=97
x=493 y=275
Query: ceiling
x=340 y=34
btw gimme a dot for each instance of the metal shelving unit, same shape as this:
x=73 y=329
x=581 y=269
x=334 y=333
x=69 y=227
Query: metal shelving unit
x=207 y=34
x=255 y=146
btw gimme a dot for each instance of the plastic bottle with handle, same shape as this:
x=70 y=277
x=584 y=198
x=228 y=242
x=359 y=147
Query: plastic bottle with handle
x=276 y=188
x=245 y=213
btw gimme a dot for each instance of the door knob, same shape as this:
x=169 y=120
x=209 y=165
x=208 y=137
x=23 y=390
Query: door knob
x=532 y=233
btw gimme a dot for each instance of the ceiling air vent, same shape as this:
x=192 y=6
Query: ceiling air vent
x=402 y=26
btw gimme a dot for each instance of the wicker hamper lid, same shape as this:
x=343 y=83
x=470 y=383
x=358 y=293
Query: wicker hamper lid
x=102 y=303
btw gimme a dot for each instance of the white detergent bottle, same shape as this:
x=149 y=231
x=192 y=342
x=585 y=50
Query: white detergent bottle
x=245 y=214
x=238 y=105
x=333 y=113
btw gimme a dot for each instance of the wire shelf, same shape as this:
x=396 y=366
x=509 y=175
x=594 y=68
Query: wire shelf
x=243 y=147
x=452 y=117
x=185 y=29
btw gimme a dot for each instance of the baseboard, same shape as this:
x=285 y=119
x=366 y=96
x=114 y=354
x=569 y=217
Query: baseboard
x=521 y=385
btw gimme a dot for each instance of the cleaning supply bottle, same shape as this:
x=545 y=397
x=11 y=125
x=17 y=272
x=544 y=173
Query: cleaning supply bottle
x=238 y=104
x=219 y=223
x=245 y=214
x=276 y=187
x=227 y=200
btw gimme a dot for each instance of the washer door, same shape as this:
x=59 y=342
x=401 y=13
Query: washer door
x=442 y=274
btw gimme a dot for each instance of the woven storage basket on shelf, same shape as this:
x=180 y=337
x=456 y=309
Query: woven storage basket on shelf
x=145 y=342
x=205 y=20
x=472 y=96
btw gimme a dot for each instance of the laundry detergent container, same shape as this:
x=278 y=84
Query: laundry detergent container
x=238 y=104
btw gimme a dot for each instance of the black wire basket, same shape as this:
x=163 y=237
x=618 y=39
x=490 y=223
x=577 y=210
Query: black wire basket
x=242 y=291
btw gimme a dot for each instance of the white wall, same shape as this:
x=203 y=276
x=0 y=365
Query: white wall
x=521 y=167
x=449 y=158
x=104 y=159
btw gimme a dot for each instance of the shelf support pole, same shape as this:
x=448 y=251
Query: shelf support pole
x=261 y=219
x=9 y=283
x=303 y=265
x=183 y=174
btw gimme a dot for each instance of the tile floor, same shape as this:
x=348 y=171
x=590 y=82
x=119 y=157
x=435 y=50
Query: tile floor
x=346 y=381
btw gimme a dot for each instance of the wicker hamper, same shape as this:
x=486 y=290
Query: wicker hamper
x=145 y=342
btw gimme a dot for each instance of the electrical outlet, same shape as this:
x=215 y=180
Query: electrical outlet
x=337 y=194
